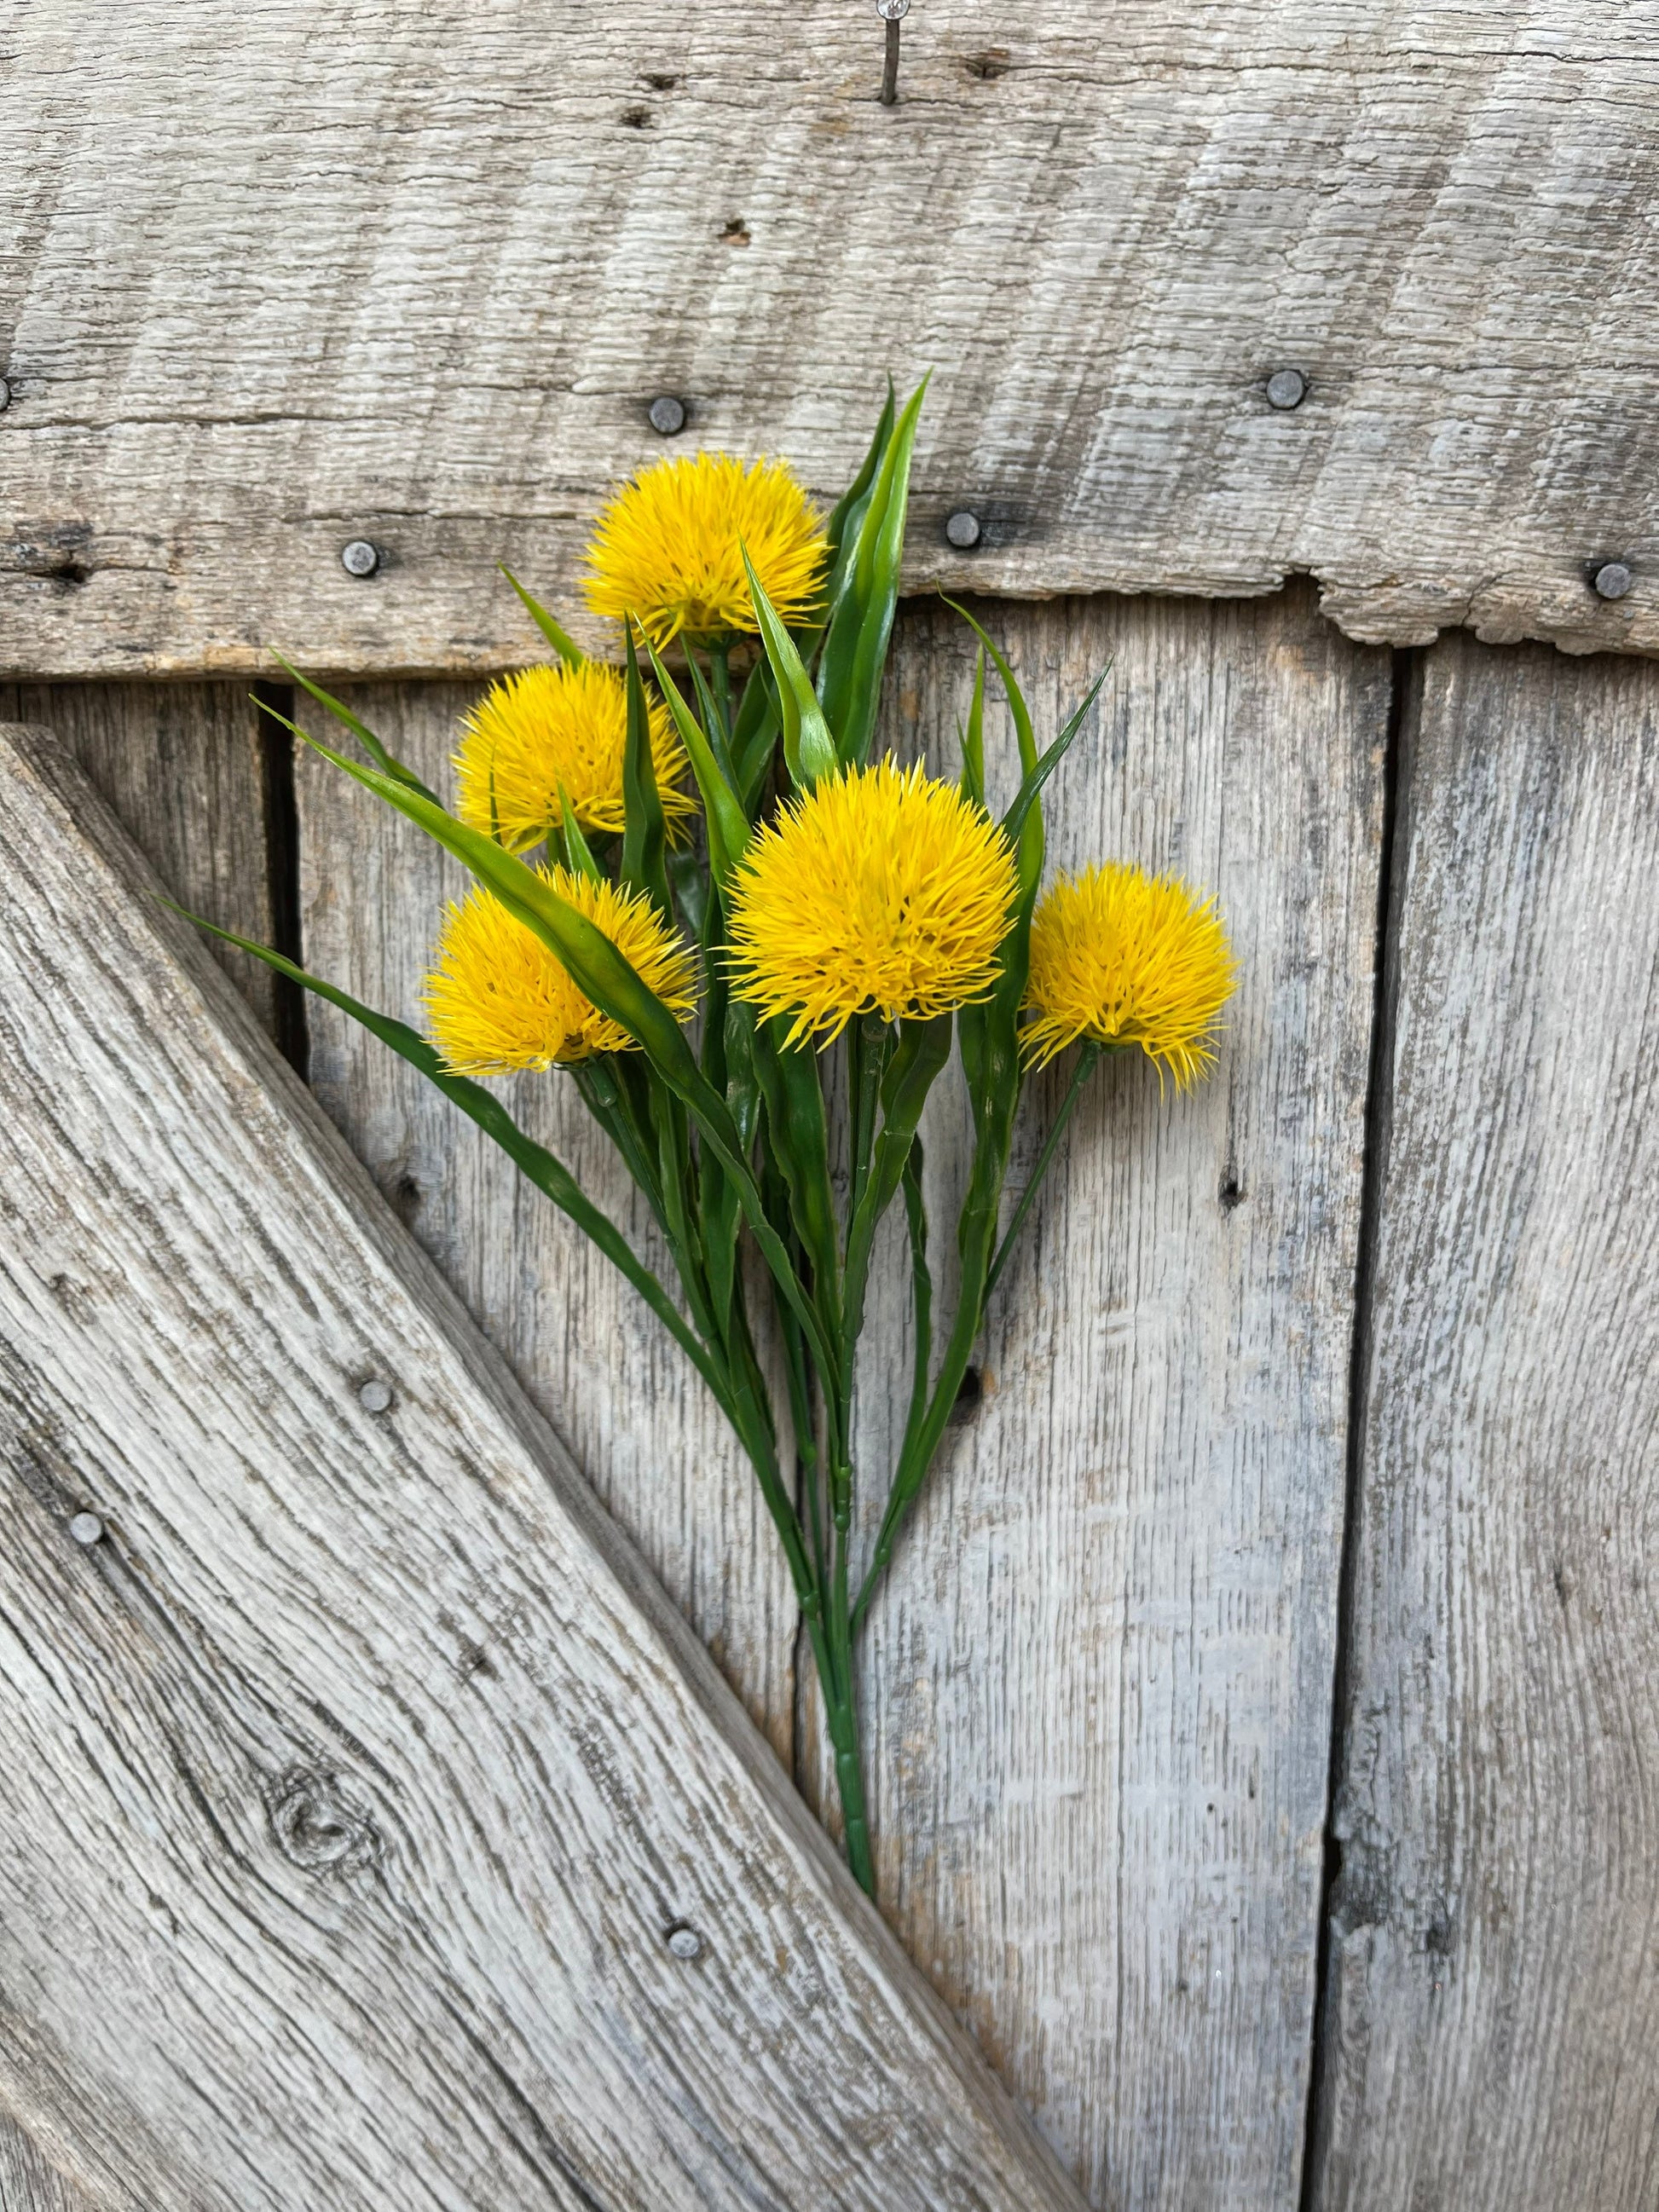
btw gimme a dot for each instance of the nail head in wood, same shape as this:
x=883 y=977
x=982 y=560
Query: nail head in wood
x=360 y=557
x=87 y=1529
x=666 y=415
x=1286 y=387
x=962 y=530
x=376 y=1396
x=5 y=395
x=1613 y=580
x=684 y=1940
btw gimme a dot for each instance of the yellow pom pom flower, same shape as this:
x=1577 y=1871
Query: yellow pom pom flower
x=542 y=727
x=881 y=890
x=499 y=999
x=667 y=549
x=1128 y=959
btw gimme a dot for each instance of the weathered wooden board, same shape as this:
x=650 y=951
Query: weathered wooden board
x=183 y=767
x=1098 y=1684
x=277 y=281
x=614 y=1384
x=358 y=1774
x=1492 y=2034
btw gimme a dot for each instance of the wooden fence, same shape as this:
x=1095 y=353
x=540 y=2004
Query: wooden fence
x=1263 y=1724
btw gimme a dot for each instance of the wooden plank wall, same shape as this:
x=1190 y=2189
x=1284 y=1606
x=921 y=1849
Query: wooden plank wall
x=1102 y=1682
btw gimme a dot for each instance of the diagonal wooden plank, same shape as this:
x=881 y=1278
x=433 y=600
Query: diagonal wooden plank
x=1099 y=1679
x=1492 y=2021
x=416 y=275
x=359 y=1773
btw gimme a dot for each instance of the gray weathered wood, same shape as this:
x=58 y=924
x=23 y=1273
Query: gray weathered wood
x=356 y=1777
x=415 y=274
x=619 y=1391
x=1098 y=1684
x=1493 y=2014
x=183 y=766
x=28 y=2182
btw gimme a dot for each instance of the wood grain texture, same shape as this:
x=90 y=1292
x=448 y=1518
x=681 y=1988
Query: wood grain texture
x=183 y=767
x=279 y=278
x=1098 y=1685
x=1493 y=2016
x=28 y=2182
x=356 y=1777
x=615 y=1386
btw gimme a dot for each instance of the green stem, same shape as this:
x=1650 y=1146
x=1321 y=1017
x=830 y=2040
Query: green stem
x=720 y=663
x=844 y=1723
x=1086 y=1061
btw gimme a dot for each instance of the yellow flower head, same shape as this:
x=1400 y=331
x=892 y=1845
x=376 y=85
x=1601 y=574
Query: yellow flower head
x=878 y=891
x=666 y=549
x=1128 y=958
x=542 y=727
x=499 y=999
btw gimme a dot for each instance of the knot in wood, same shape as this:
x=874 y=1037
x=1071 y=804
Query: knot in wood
x=316 y=1829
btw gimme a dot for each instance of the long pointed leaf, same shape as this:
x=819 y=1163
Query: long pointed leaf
x=372 y=745
x=808 y=747
x=728 y=825
x=861 y=625
x=645 y=834
x=566 y=648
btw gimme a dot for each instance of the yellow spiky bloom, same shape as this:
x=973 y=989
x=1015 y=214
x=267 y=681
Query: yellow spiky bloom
x=1128 y=959
x=541 y=727
x=667 y=550
x=499 y=999
x=879 y=891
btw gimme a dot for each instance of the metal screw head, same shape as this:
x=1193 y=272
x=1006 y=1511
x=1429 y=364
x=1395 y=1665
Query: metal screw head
x=5 y=395
x=376 y=1396
x=1286 y=387
x=87 y=1529
x=962 y=530
x=1613 y=580
x=892 y=11
x=360 y=558
x=682 y=1941
x=666 y=415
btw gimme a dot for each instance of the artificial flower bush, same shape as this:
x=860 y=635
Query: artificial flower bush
x=731 y=892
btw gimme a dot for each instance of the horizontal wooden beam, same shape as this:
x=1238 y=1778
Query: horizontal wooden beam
x=377 y=1834
x=415 y=278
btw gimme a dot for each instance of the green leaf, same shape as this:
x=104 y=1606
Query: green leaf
x=645 y=835
x=1030 y=851
x=808 y=747
x=1025 y=807
x=860 y=622
x=728 y=825
x=577 y=855
x=534 y=1161
x=377 y=752
x=567 y=651
x=973 y=737
x=847 y=516
x=791 y=1086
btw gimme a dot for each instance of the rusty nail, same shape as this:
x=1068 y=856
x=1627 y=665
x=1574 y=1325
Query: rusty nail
x=360 y=557
x=666 y=415
x=1286 y=387
x=684 y=1940
x=87 y=1529
x=376 y=1396
x=962 y=530
x=1613 y=580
